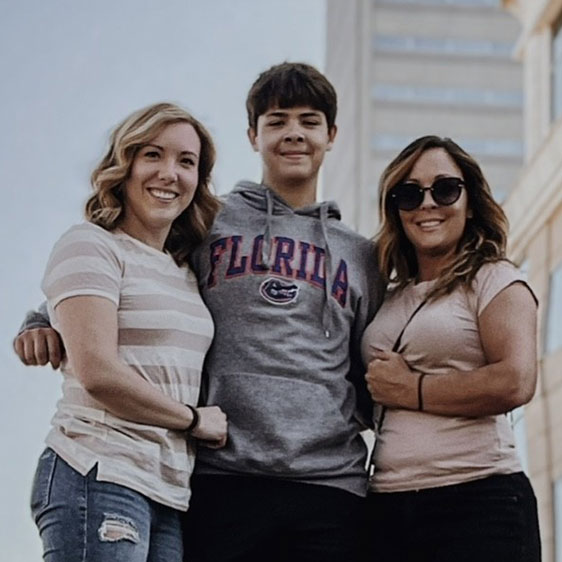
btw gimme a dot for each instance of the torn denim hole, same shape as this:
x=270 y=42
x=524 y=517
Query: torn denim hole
x=116 y=528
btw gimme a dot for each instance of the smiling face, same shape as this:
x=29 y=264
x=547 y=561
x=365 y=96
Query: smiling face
x=161 y=183
x=292 y=143
x=435 y=230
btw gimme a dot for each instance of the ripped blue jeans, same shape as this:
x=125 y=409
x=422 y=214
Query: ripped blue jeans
x=81 y=519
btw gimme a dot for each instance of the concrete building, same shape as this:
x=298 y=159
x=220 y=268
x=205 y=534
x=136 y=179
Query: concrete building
x=406 y=68
x=534 y=208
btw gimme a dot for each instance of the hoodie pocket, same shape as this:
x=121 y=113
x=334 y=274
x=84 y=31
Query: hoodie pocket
x=283 y=424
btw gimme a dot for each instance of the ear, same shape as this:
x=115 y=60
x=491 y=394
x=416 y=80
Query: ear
x=252 y=136
x=332 y=136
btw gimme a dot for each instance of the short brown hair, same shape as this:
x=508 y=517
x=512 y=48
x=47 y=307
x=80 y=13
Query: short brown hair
x=291 y=84
x=485 y=235
x=105 y=206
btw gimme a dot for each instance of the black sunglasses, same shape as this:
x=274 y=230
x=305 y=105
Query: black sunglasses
x=408 y=196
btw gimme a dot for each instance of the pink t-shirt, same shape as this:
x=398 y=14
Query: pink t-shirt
x=417 y=450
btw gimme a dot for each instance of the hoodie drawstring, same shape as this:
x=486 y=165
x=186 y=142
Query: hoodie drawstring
x=266 y=243
x=326 y=311
x=255 y=195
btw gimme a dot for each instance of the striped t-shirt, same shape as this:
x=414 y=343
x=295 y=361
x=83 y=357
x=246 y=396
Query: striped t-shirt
x=164 y=332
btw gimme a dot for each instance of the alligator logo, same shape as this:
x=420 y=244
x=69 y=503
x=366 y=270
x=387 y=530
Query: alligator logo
x=277 y=291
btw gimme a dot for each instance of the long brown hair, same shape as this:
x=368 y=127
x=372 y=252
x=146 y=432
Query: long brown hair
x=105 y=206
x=485 y=234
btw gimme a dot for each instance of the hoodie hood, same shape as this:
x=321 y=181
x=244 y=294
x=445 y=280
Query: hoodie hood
x=265 y=199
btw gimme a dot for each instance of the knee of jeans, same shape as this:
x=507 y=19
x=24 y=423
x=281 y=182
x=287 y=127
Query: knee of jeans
x=115 y=528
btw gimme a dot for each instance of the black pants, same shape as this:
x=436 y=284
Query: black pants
x=235 y=518
x=489 y=520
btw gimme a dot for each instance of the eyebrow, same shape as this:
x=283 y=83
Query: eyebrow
x=281 y=113
x=437 y=177
x=276 y=114
x=162 y=149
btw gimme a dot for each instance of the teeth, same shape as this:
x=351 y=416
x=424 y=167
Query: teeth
x=430 y=223
x=160 y=193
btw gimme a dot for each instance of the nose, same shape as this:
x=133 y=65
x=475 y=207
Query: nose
x=167 y=171
x=294 y=133
x=428 y=201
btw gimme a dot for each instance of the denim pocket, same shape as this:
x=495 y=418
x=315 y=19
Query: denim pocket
x=42 y=481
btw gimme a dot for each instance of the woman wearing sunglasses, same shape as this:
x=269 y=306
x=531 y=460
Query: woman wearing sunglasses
x=450 y=352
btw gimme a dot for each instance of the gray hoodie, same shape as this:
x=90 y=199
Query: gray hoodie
x=290 y=291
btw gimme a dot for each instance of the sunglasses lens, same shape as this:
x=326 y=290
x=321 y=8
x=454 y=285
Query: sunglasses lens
x=407 y=196
x=446 y=191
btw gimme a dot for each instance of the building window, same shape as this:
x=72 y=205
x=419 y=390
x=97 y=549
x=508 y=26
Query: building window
x=557 y=70
x=498 y=148
x=442 y=46
x=448 y=95
x=553 y=339
x=470 y=3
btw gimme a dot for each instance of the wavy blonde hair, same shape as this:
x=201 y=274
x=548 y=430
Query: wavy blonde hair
x=105 y=206
x=485 y=233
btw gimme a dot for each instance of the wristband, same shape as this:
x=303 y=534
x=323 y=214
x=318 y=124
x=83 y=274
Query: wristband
x=420 y=395
x=194 y=421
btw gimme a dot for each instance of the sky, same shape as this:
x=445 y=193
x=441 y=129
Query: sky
x=70 y=70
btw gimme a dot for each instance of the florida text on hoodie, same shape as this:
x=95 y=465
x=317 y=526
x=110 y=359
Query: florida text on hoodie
x=290 y=291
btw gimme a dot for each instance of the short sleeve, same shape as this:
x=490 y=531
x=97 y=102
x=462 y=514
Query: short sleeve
x=84 y=262
x=492 y=278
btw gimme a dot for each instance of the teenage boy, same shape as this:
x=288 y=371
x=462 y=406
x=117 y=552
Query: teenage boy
x=290 y=289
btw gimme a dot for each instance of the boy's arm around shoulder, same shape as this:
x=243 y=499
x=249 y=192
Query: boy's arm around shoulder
x=36 y=319
x=37 y=343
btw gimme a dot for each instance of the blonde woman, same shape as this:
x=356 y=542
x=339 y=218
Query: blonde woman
x=114 y=478
x=452 y=349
